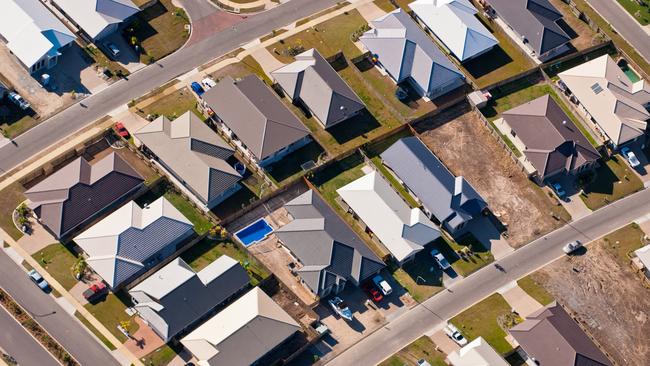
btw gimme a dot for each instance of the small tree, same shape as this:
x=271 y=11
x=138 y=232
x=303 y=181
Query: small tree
x=134 y=40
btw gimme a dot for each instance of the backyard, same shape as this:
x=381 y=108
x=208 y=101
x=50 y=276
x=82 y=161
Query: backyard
x=110 y=311
x=290 y=166
x=58 y=261
x=208 y=250
x=582 y=36
x=421 y=349
x=483 y=320
x=612 y=180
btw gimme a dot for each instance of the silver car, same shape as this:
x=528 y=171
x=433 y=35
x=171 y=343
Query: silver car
x=571 y=247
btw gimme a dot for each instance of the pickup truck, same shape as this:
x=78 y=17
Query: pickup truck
x=95 y=292
x=19 y=101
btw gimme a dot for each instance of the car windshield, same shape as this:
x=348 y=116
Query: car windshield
x=458 y=336
x=342 y=305
x=443 y=262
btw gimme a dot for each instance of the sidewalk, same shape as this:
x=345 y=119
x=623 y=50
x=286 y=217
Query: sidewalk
x=70 y=299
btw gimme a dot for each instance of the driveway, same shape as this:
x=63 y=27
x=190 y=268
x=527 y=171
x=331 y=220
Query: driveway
x=127 y=58
x=485 y=232
x=37 y=240
x=519 y=300
x=443 y=342
x=643 y=170
x=75 y=72
x=574 y=205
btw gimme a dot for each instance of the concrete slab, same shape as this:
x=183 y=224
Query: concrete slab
x=444 y=343
x=131 y=121
x=486 y=233
x=66 y=305
x=520 y=301
x=13 y=254
x=266 y=60
x=144 y=340
x=37 y=240
x=370 y=11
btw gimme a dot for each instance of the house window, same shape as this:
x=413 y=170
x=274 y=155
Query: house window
x=513 y=133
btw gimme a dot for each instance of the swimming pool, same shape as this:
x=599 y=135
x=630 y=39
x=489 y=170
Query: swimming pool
x=254 y=232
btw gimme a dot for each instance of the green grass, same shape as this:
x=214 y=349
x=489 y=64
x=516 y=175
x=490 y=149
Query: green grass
x=535 y=290
x=638 y=12
x=289 y=167
x=58 y=262
x=22 y=124
x=417 y=278
x=480 y=258
x=161 y=356
x=394 y=182
x=10 y=197
x=172 y=105
x=613 y=180
x=481 y=321
x=207 y=251
x=94 y=330
x=421 y=348
x=110 y=312
x=101 y=60
x=385 y=5
x=624 y=241
x=160 y=30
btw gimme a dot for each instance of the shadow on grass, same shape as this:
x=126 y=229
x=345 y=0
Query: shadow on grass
x=235 y=203
x=603 y=180
x=423 y=270
x=487 y=62
x=291 y=164
x=358 y=125
x=490 y=111
x=337 y=168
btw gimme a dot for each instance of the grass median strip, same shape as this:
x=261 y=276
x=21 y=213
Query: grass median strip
x=94 y=330
x=535 y=290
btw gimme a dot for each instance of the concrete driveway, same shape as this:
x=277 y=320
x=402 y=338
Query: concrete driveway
x=38 y=239
x=443 y=342
x=643 y=170
x=127 y=58
x=574 y=205
x=75 y=71
x=485 y=232
x=519 y=300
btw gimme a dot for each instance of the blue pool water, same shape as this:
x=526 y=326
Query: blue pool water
x=254 y=232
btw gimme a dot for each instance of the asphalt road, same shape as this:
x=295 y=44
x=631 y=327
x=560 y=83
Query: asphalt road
x=67 y=331
x=62 y=125
x=20 y=345
x=629 y=28
x=436 y=310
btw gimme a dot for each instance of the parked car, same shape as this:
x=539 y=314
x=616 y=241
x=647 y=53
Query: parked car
x=208 y=83
x=341 y=307
x=559 y=191
x=452 y=332
x=121 y=130
x=112 y=49
x=197 y=88
x=571 y=247
x=383 y=285
x=372 y=292
x=18 y=100
x=320 y=328
x=38 y=280
x=440 y=259
x=630 y=157
x=95 y=292
x=423 y=362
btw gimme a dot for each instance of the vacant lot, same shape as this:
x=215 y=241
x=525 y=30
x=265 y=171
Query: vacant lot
x=464 y=144
x=601 y=289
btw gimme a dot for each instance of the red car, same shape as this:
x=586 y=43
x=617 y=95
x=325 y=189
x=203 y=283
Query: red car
x=95 y=292
x=372 y=292
x=121 y=130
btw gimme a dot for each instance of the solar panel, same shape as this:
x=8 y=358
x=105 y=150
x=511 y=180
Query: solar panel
x=596 y=88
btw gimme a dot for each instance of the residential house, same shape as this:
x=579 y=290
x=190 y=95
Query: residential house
x=406 y=53
x=133 y=239
x=97 y=18
x=401 y=229
x=451 y=200
x=242 y=333
x=251 y=113
x=79 y=192
x=642 y=259
x=176 y=297
x=551 y=337
x=476 y=353
x=537 y=23
x=548 y=138
x=455 y=24
x=194 y=155
x=329 y=253
x=33 y=34
x=618 y=106
x=311 y=81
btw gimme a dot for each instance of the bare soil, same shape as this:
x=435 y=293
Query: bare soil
x=607 y=297
x=464 y=144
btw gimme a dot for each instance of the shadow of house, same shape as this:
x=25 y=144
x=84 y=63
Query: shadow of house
x=360 y=124
x=603 y=180
x=488 y=62
x=66 y=75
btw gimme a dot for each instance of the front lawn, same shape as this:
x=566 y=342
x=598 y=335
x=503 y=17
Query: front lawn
x=624 y=241
x=111 y=312
x=535 y=290
x=639 y=12
x=466 y=254
x=160 y=30
x=172 y=105
x=418 y=276
x=481 y=320
x=10 y=197
x=612 y=180
x=58 y=262
x=94 y=330
x=208 y=250
x=421 y=349
x=162 y=356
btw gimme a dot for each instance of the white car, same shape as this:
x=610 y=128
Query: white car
x=452 y=332
x=440 y=259
x=571 y=247
x=208 y=83
x=383 y=285
x=630 y=157
x=340 y=307
x=19 y=101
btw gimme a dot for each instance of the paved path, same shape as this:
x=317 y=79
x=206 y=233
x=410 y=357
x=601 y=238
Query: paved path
x=624 y=24
x=436 y=310
x=20 y=345
x=67 y=331
x=66 y=123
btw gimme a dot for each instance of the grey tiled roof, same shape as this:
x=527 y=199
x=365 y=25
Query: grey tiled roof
x=328 y=249
x=452 y=200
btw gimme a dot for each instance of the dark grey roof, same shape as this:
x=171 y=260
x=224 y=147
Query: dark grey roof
x=534 y=19
x=552 y=337
x=328 y=249
x=255 y=114
x=175 y=296
x=193 y=152
x=78 y=191
x=552 y=141
x=452 y=200
x=313 y=80
x=406 y=51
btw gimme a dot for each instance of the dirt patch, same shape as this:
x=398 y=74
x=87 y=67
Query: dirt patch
x=465 y=145
x=607 y=297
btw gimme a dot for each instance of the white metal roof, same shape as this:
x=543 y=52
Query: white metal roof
x=32 y=31
x=95 y=15
x=476 y=353
x=644 y=255
x=403 y=230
